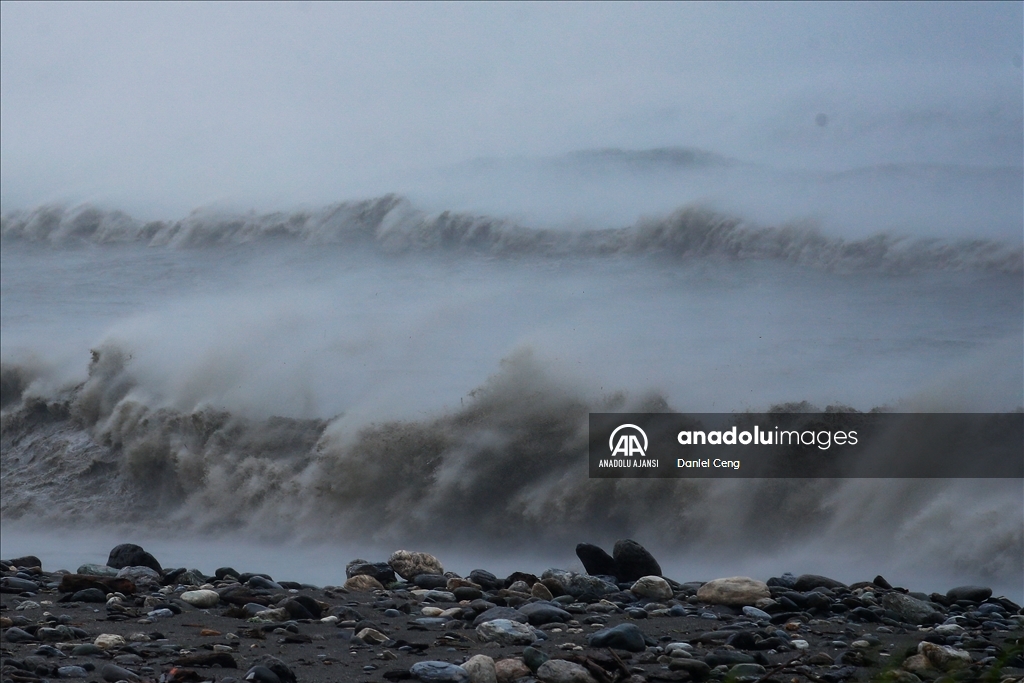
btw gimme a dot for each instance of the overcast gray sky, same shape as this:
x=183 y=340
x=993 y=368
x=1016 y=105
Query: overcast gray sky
x=171 y=106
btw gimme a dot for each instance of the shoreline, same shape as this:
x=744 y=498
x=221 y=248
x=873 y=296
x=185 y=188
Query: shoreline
x=618 y=622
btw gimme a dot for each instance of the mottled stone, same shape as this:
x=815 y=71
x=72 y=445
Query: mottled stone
x=481 y=669
x=409 y=564
x=363 y=583
x=653 y=587
x=505 y=632
x=562 y=671
x=736 y=591
x=510 y=670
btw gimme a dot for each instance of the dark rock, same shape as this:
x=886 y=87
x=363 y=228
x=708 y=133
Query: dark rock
x=864 y=614
x=17 y=635
x=533 y=658
x=224 y=572
x=500 y=613
x=727 y=657
x=882 y=583
x=971 y=593
x=787 y=580
x=131 y=555
x=431 y=581
x=697 y=669
x=262 y=583
x=808 y=582
x=742 y=640
x=627 y=637
x=19 y=585
x=72 y=672
x=280 y=669
x=381 y=571
x=113 y=673
x=525 y=577
x=236 y=594
x=221 y=659
x=72 y=583
x=28 y=561
x=467 y=593
x=261 y=674
x=538 y=613
x=909 y=609
x=486 y=580
x=632 y=561
x=295 y=609
x=89 y=595
x=595 y=560
x=311 y=605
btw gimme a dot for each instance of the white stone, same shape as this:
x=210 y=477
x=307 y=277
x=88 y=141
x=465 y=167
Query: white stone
x=735 y=590
x=105 y=641
x=654 y=587
x=201 y=598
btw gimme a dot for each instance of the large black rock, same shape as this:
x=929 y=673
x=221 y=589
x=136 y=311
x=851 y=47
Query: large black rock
x=632 y=561
x=131 y=555
x=381 y=571
x=596 y=561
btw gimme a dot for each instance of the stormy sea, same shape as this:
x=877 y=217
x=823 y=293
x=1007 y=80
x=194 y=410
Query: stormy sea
x=291 y=388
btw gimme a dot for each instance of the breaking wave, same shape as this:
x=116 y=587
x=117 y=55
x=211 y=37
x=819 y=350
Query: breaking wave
x=393 y=225
x=509 y=466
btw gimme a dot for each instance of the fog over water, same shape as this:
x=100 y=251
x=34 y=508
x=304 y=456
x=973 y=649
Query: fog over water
x=319 y=281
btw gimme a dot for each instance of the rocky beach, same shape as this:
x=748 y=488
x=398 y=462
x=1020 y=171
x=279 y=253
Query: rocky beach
x=406 y=618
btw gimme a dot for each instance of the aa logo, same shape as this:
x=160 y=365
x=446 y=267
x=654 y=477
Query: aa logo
x=628 y=444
